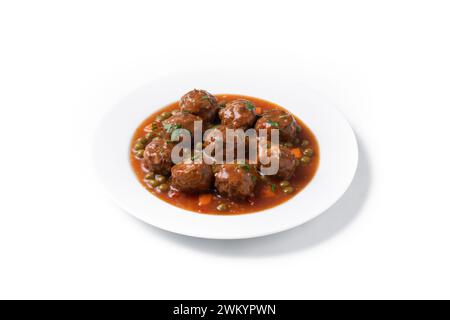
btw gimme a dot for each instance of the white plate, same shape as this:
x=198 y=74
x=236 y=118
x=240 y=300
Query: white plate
x=338 y=154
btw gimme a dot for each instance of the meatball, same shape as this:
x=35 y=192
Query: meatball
x=218 y=135
x=235 y=181
x=238 y=114
x=192 y=177
x=281 y=120
x=181 y=121
x=286 y=160
x=157 y=156
x=200 y=103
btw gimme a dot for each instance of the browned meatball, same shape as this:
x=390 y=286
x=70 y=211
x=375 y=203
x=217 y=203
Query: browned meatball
x=286 y=160
x=157 y=156
x=200 y=103
x=235 y=181
x=218 y=135
x=281 y=120
x=238 y=114
x=181 y=121
x=192 y=177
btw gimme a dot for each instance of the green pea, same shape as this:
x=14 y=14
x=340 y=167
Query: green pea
x=222 y=207
x=305 y=160
x=304 y=143
x=284 y=184
x=138 y=146
x=166 y=115
x=163 y=187
x=143 y=140
x=288 y=190
x=149 y=136
x=153 y=183
x=308 y=152
x=149 y=176
x=160 y=178
x=140 y=154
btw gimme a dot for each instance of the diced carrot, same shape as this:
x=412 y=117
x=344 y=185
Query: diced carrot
x=204 y=199
x=297 y=153
x=258 y=110
x=268 y=192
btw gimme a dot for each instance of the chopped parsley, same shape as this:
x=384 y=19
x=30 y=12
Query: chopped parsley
x=171 y=127
x=206 y=97
x=249 y=105
x=246 y=167
x=273 y=123
x=254 y=179
x=273 y=187
x=154 y=126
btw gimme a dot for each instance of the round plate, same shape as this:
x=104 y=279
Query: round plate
x=338 y=154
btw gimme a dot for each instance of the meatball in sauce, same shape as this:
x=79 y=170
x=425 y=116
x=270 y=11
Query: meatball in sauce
x=235 y=181
x=157 y=156
x=281 y=120
x=192 y=177
x=238 y=114
x=200 y=103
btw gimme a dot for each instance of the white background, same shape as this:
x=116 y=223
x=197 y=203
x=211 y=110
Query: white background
x=385 y=64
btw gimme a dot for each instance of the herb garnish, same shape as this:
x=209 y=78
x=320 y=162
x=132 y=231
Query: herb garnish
x=249 y=105
x=273 y=187
x=273 y=123
x=171 y=127
x=246 y=167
